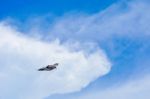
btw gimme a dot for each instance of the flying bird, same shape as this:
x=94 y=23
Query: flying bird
x=48 y=67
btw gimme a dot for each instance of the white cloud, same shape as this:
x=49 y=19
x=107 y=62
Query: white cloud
x=21 y=56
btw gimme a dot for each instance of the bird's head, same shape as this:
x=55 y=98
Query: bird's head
x=56 y=64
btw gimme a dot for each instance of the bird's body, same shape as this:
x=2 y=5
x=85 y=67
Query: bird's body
x=48 y=67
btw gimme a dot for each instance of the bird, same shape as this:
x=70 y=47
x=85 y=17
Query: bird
x=48 y=67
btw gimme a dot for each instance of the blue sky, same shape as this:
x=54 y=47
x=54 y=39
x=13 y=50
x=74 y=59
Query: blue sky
x=25 y=8
x=102 y=46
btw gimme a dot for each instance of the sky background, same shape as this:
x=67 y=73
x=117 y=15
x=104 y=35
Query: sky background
x=102 y=47
x=21 y=9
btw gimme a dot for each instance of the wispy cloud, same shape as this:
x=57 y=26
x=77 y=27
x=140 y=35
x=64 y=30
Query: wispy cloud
x=133 y=89
x=124 y=28
x=128 y=19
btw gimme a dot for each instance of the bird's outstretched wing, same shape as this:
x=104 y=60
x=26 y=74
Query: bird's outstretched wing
x=42 y=69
